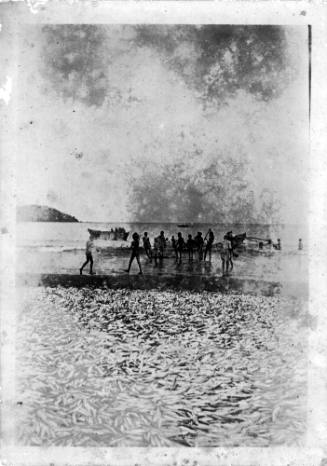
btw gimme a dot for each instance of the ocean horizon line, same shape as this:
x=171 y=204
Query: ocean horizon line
x=188 y=223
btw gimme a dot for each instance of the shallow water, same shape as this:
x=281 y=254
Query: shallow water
x=150 y=368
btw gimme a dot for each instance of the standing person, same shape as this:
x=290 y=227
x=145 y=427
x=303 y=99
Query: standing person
x=156 y=250
x=229 y=236
x=162 y=244
x=189 y=245
x=180 y=246
x=147 y=246
x=210 y=240
x=225 y=254
x=300 y=247
x=199 y=244
x=174 y=245
x=89 y=256
x=135 y=254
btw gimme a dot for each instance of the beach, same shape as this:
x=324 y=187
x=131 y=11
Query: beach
x=178 y=356
x=256 y=272
x=59 y=249
x=150 y=368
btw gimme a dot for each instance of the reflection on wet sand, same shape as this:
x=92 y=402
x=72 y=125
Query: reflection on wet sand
x=278 y=266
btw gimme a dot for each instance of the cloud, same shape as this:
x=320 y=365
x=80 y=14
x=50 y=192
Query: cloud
x=124 y=118
x=219 y=61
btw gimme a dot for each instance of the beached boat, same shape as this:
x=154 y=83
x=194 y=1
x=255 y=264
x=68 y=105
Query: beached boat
x=113 y=234
x=236 y=240
x=255 y=244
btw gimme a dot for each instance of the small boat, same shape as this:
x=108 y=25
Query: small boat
x=115 y=235
x=184 y=225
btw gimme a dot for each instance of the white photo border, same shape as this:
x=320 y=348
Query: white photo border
x=175 y=12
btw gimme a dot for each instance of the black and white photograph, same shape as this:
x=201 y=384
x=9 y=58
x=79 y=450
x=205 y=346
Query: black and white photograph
x=162 y=234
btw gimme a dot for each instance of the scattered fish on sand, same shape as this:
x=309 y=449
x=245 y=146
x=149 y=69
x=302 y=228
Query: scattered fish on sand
x=129 y=368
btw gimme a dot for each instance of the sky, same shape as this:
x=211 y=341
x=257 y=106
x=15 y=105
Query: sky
x=164 y=123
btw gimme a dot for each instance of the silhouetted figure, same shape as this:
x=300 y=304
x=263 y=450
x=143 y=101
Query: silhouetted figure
x=180 y=246
x=174 y=245
x=156 y=250
x=162 y=244
x=225 y=255
x=277 y=245
x=147 y=246
x=198 y=240
x=208 y=248
x=135 y=254
x=89 y=256
x=229 y=236
x=300 y=247
x=189 y=245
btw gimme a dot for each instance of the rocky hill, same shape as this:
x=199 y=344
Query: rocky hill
x=41 y=213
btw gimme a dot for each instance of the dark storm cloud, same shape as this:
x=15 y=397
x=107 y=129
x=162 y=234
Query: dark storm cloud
x=216 y=61
x=219 y=193
x=225 y=59
x=74 y=62
x=210 y=111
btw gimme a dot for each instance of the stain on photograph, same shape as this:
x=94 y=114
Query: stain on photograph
x=162 y=235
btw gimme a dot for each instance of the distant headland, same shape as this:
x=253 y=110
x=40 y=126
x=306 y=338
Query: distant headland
x=42 y=213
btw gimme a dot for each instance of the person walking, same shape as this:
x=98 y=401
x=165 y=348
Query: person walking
x=135 y=254
x=89 y=256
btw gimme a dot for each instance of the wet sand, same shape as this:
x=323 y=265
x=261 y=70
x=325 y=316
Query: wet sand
x=168 y=282
x=254 y=273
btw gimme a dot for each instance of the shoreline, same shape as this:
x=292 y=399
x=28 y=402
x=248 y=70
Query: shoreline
x=174 y=282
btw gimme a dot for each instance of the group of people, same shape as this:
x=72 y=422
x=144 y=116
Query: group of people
x=199 y=245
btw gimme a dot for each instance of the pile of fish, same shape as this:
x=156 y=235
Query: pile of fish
x=112 y=368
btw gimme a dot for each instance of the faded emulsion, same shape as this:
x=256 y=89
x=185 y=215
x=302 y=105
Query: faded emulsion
x=162 y=235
